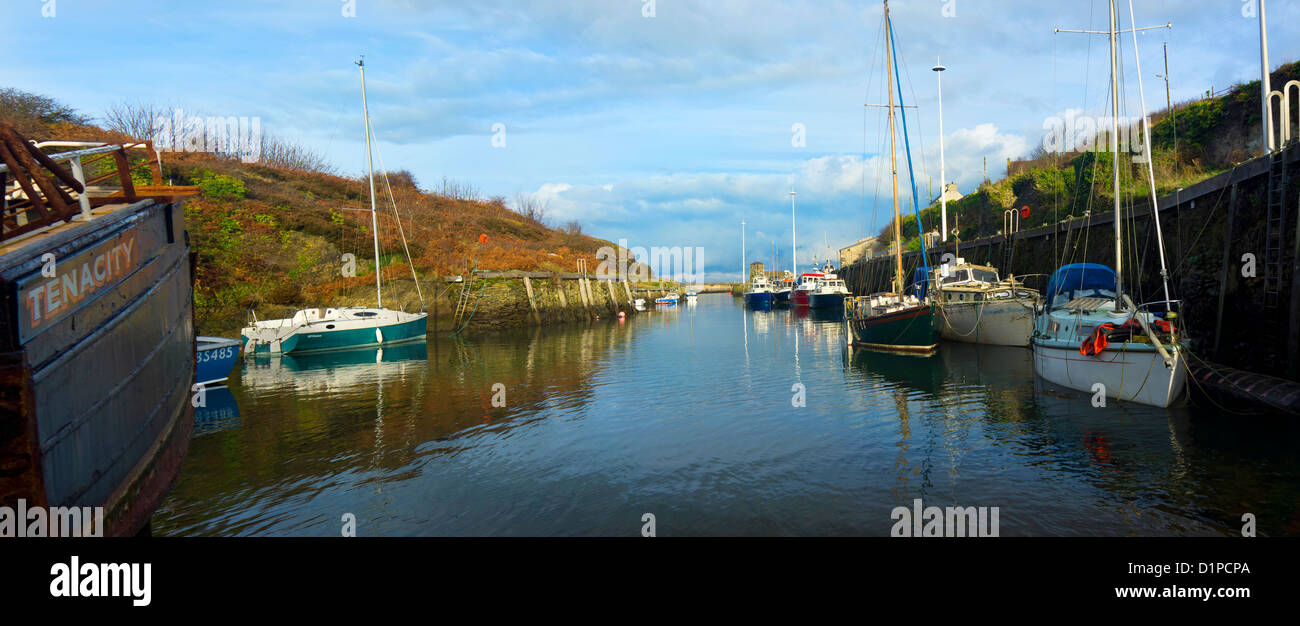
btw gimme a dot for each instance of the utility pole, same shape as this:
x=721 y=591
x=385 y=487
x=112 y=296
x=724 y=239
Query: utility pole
x=943 y=177
x=1264 y=86
x=1169 y=102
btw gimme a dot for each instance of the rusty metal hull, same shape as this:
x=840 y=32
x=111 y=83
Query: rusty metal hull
x=97 y=363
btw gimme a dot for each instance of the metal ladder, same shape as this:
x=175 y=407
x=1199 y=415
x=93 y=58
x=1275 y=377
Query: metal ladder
x=462 y=303
x=1275 y=228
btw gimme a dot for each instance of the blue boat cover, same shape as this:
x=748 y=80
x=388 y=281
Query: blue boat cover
x=1080 y=280
x=920 y=283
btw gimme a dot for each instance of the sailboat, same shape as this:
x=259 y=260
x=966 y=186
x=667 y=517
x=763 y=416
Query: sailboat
x=1091 y=336
x=893 y=320
x=342 y=327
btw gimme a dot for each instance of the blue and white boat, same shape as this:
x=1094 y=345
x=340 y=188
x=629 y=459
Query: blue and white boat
x=1090 y=335
x=760 y=293
x=214 y=359
x=343 y=327
x=669 y=300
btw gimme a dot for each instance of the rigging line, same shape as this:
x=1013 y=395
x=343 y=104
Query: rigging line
x=398 y=218
x=910 y=172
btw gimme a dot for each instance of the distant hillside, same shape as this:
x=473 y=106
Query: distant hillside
x=1197 y=140
x=271 y=238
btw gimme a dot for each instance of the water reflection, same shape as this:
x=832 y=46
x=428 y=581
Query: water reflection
x=687 y=412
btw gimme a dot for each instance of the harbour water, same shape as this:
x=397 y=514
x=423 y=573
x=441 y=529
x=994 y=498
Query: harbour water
x=688 y=414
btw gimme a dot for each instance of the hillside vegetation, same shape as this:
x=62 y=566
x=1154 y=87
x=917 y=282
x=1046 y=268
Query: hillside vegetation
x=1196 y=140
x=272 y=236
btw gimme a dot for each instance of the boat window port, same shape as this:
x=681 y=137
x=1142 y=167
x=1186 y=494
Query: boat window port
x=330 y=326
x=365 y=314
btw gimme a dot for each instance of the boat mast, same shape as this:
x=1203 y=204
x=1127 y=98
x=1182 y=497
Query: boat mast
x=374 y=219
x=893 y=158
x=1151 y=171
x=744 y=277
x=794 y=259
x=1114 y=145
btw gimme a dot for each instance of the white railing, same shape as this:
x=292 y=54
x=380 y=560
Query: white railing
x=1279 y=122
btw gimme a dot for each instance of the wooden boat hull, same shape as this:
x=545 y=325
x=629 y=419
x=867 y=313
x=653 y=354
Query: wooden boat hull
x=995 y=323
x=909 y=330
x=97 y=365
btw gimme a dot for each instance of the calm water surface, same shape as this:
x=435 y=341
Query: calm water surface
x=687 y=414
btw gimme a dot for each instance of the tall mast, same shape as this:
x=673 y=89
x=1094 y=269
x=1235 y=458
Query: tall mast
x=943 y=176
x=794 y=260
x=374 y=219
x=744 y=276
x=893 y=158
x=1114 y=145
x=1264 y=87
x=1151 y=171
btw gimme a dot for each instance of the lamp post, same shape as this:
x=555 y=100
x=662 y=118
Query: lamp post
x=943 y=178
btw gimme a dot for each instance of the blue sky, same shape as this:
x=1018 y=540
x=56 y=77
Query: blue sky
x=666 y=130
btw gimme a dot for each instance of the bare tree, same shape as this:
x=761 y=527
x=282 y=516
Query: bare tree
x=455 y=190
x=530 y=207
x=22 y=104
x=137 y=120
x=286 y=154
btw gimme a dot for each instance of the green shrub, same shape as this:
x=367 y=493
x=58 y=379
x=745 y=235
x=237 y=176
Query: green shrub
x=218 y=186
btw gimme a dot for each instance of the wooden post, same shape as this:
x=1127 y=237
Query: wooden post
x=1223 y=273
x=559 y=290
x=627 y=289
x=532 y=302
x=613 y=301
x=582 y=292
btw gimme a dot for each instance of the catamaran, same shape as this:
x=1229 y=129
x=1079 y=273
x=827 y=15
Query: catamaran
x=893 y=320
x=341 y=327
x=1091 y=336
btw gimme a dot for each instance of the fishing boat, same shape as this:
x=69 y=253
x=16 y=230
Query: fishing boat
x=760 y=293
x=829 y=292
x=214 y=358
x=806 y=285
x=670 y=299
x=342 y=327
x=978 y=306
x=895 y=320
x=97 y=353
x=691 y=296
x=1091 y=337
x=782 y=291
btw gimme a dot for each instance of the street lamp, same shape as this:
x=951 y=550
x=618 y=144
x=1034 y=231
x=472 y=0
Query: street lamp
x=943 y=179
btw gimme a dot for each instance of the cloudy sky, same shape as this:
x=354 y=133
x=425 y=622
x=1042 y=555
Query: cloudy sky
x=664 y=122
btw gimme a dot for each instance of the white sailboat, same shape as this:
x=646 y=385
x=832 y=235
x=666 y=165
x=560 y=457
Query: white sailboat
x=342 y=327
x=1091 y=336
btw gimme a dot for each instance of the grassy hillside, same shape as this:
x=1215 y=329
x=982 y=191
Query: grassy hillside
x=1196 y=140
x=270 y=238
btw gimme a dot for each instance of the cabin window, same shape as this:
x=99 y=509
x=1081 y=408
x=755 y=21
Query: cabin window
x=329 y=326
x=365 y=314
x=986 y=276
